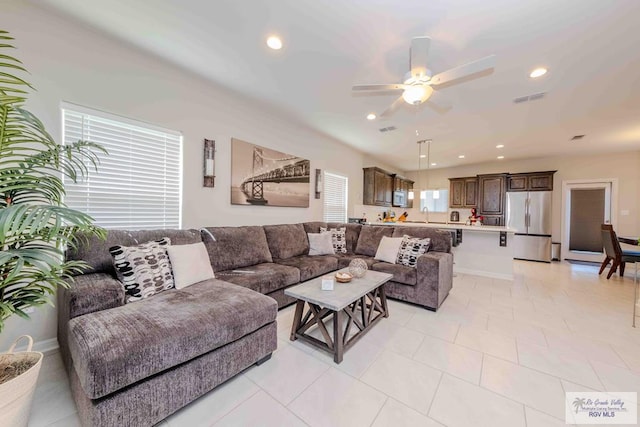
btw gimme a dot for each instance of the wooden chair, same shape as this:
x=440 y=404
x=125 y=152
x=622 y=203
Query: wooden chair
x=614 y=253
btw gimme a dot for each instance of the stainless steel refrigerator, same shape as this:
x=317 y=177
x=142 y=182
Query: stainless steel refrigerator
x=529 y=213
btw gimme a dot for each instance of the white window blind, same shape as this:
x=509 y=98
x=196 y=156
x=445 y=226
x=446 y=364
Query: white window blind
x=335 y=197
x=138 y=184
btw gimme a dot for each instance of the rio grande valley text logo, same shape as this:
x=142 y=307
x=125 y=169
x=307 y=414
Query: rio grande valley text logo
x=601 y=408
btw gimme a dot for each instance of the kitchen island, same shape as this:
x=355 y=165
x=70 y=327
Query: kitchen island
x=479 y=251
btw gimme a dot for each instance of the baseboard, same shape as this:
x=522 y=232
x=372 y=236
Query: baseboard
x=483 y=273
x=45 y=346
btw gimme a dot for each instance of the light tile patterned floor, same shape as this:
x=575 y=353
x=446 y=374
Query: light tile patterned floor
x=498 y=353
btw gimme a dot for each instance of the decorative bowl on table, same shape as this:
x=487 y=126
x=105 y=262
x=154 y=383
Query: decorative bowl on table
x=343 y=277
x=358 y=267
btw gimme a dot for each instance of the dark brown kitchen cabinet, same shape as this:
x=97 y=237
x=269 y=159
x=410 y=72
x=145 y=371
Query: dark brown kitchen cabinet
x=532 y=181
x=378 y=187
x=541 y=181
x=470 y=192
x=497 y=220
x=463 y=192
x=456 y=193
x=491 y=197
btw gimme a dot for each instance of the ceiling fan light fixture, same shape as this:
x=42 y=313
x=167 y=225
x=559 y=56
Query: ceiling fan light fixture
x=274 y=42
x=417 y=94
x=371 y=116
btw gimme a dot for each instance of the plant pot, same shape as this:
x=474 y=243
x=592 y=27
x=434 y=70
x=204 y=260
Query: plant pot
x=17 y=393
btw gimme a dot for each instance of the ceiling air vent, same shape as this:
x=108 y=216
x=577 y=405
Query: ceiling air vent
x=576 y=137
x=387 y=129
x=528 y=98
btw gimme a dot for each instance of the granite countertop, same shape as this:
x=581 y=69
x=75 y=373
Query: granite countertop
x=450 y=226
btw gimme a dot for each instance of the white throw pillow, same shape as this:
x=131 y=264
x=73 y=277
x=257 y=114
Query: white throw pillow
x=190 y=264
x=320 y=243
x=388 y=249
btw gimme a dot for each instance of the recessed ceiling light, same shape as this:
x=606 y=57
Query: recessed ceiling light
x=434 y=164
x=499 y=146
x=461 y=156
x=371 y=116
x=538 y=72
x=274 y=42
x=423 y=156
x=500 y=157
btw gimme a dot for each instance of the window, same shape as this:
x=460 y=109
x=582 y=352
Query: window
x=138 y=184
x=335 y=197
x=434 y=200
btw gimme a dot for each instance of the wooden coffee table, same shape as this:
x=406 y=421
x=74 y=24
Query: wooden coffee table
x=362 y=302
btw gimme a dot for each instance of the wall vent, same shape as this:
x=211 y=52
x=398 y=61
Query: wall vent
x=388 y=129
x=528 y=98
x=576 y=137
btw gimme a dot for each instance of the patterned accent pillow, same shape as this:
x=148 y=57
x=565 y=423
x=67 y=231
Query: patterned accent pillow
x=144 y=270
x=338 y=238
x=410 y=249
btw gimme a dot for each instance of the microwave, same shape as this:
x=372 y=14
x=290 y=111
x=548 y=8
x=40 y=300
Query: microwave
x=399 y=198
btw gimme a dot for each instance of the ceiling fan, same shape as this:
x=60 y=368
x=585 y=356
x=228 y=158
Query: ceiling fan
x=419 y=83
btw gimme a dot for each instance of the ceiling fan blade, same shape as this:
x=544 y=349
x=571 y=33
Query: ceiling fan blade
x=378 y=87
x=419 y=54
x=438 y=103
x=465 y=72
x=393 y=107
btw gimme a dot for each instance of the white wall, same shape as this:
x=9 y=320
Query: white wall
x=72 y=63
x=623 y=166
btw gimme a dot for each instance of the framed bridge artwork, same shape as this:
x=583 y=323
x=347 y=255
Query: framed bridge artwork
x=265 y=177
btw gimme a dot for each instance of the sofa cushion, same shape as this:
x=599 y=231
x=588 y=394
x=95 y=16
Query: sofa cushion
x=388 y=249
x=345 y=259
x=268 y=277
x=95 y=251
x=313 y=226
x=321 y=243
x=353 y=232
x=338 y=239
x=190 y=264
x=440 y=239
x=311 y=266
x=144 y=269
x=401 y=273
x=286 y=240
x=236 y=247
x=114 y=348
x=410 y=249
x=369 y=239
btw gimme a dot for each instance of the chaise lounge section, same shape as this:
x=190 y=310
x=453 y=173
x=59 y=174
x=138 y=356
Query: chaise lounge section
x=135 y=364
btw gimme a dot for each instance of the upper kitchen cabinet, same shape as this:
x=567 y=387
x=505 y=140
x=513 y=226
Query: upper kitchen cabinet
x=532 y=181
x=491 y=195
x=463 y=192
x=378 y=187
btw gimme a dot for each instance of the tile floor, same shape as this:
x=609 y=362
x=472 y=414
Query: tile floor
x=498 y=353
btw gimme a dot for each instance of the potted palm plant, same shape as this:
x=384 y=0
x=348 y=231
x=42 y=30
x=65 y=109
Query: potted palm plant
x=35 y=225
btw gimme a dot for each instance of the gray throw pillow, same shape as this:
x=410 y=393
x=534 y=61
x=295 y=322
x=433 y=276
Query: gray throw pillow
x=320 y=243
x=338 y=239
x=144 y=270
x=410 y=249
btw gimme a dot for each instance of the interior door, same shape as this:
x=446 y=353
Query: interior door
x=586 y=207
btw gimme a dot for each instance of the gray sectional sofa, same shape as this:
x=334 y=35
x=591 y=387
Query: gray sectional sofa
x=135 y=364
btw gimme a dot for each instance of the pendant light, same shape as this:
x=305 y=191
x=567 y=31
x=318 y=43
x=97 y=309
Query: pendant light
x=412 y=192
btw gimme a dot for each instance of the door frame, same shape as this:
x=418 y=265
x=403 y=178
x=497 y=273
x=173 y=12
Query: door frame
x=564 y=228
